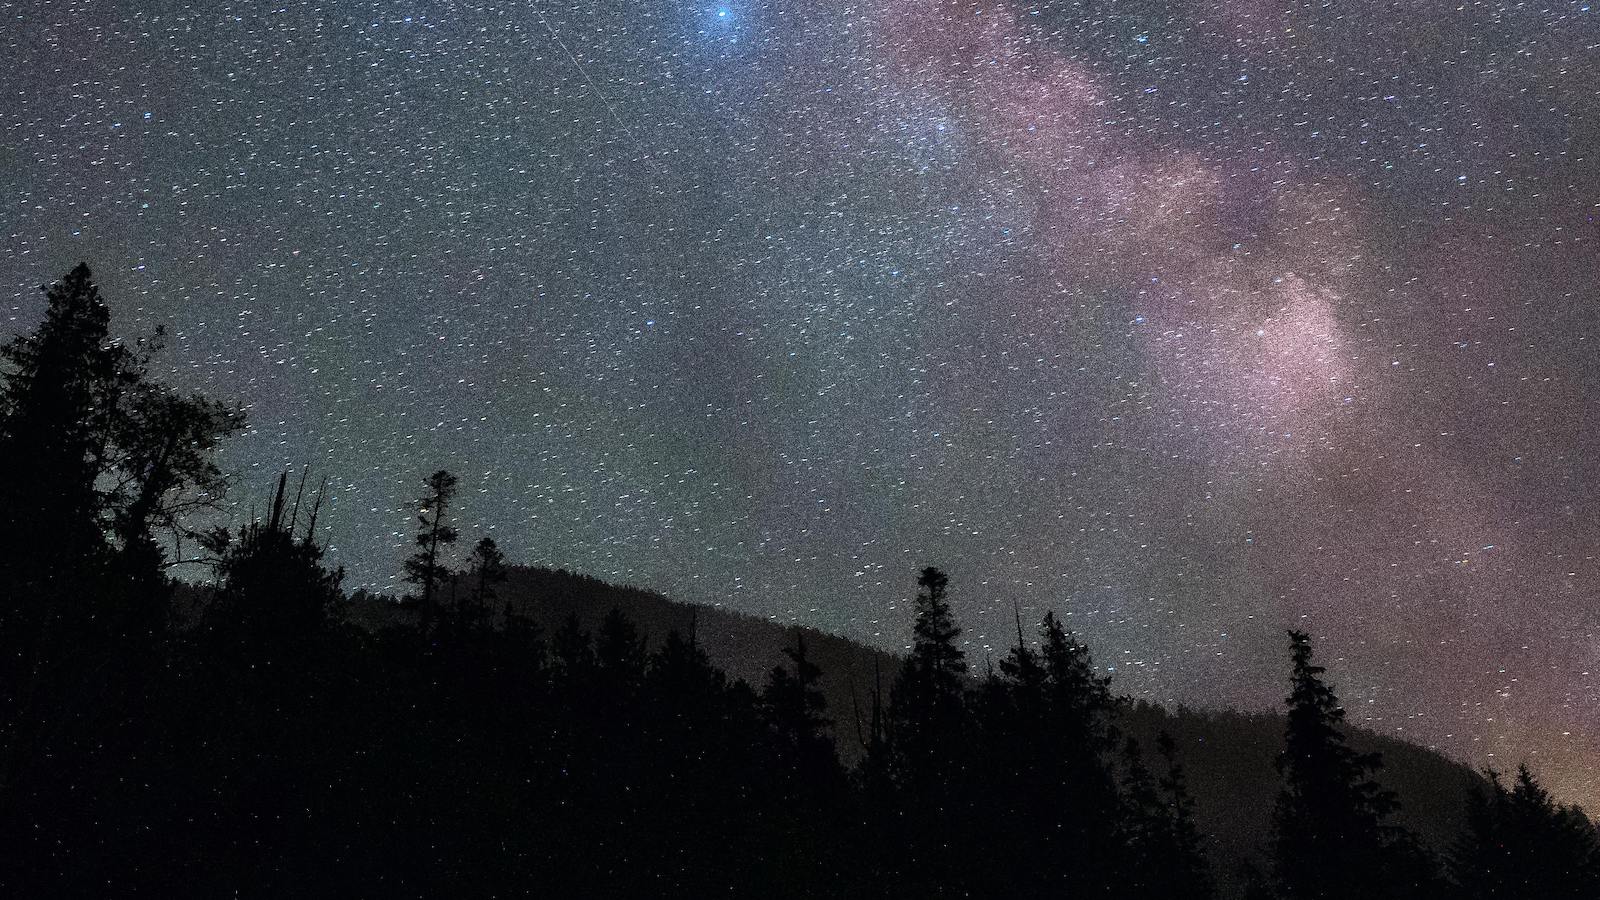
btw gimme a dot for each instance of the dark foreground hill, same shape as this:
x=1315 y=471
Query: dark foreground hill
x=1230 y=756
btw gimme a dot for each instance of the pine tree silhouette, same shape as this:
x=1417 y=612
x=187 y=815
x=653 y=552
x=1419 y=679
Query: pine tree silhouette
x=61 y=382
x=926 y=705
x=1187 y=870
x=620 y=655
x=1080 y=701
x=573 y=651
x=96 y=456
x=273 y=589
x=425 y=568
x=1080 y=734
x=928 y=721
x=797 y=709
x=1018 y=852
x=95 y=448
x=1025 y=672
x=486 y=568
x=1521 y=843
x=1331 y=838
x=1165 y=859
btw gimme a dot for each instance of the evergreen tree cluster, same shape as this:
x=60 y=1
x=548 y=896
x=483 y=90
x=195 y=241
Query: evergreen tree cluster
x=265 y=747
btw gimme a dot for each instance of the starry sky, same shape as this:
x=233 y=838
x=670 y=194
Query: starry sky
x=1190 y=320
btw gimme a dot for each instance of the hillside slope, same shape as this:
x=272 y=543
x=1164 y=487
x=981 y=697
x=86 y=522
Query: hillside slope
x=1229 y=755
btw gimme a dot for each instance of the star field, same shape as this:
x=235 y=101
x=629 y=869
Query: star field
x=1191 y=321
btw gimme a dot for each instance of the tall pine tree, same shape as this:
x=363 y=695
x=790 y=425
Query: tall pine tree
x=928 y=733
x=425 y=568
x=61 y=383
x=1331 y=838
x=797 y=711
x=487 y=568
x=95 y=456
x=1080 y=734
x=926 y=707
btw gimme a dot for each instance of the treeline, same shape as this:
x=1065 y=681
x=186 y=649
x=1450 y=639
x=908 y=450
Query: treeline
x=264 y=747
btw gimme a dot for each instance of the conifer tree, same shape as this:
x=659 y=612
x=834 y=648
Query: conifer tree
x=273 y=589
x=680 y=675
x=1189 y=870
x=1164 y=855
x=797 y=710
x=1023 y=669
x=686 y=705
x=878 y=799
x=620 y=655
x=1016 y=853
x=487 y=568
x=264 y=704
x=685 y=693
x=1330 y=834
x=874 y=774
x=1078 y=735
x=1520 y=843
x=434 y=533
x=1143 y=823
x=60 y=383
x=926 y=704
x=94 y=448
x=573 y=650
x=96 y=454
x=928 y=729
x=1080 y=700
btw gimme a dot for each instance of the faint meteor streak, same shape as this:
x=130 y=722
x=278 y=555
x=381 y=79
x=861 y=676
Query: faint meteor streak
x=588 y=79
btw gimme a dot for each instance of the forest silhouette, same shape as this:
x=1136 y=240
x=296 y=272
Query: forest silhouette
x=264 y=735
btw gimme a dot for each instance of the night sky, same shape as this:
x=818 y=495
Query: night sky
x=1192 y=321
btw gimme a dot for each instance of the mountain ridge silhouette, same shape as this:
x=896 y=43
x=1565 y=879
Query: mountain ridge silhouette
x=1229 y=755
